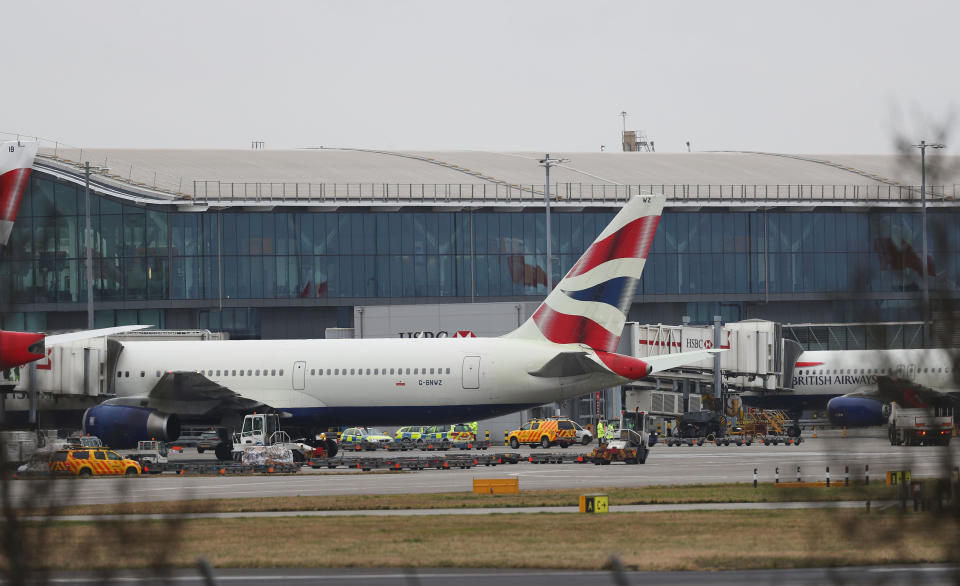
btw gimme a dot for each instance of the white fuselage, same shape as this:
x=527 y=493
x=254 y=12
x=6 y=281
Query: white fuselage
x=838 y=372
x=821 y=375
x=366 y=381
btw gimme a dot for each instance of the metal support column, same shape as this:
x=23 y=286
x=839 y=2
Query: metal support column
x=717 y=333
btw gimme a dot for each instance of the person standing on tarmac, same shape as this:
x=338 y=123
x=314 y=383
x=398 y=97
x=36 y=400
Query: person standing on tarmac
x=600 y=437
x=473 y=428
x=611 y=431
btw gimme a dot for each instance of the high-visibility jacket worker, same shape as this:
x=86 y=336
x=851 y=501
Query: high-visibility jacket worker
x=611 y=431
x=473 y=427
x=600 y=436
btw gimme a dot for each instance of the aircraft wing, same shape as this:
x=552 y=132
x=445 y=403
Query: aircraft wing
x=578 y=363
x=189 y=393
x=668 y=361
x=568 y=364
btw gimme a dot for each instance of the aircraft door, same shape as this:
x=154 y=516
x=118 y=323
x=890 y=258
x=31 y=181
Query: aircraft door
x=471 y=372
x=299 y=375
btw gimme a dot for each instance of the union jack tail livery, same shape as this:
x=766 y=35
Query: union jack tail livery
x=589 y=305
x=16 y=159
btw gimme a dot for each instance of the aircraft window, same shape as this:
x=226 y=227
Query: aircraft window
x=351 y=371
x=127 y=374
x=281 y=372
x=312 y=372
x=328 y=372
x=158 y=373
x=218 y=372
x=119 y=374
x=257 y=372
x=448 y=371
x=336 y=371
x=234 y=373
x=391 y=371
x=249 y=372
x=273 y=372
x=414 y=371
x=241 y=373
x=319 y=371
x=368 y=371
x=376 y=371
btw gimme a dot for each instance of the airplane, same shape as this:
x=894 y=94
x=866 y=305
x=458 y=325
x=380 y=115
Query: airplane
x=566 y=349
x=854 y=385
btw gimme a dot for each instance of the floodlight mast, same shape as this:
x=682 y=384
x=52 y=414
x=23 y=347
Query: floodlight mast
x=546 y=162
x=923 y=146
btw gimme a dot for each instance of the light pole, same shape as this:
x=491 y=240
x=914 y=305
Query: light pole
x=923 y=146
x=548 y=162
x=88 y=238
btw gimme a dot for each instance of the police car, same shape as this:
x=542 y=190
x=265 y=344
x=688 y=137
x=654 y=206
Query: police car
x=413 y=433
x=459 y=432
x=356 y=435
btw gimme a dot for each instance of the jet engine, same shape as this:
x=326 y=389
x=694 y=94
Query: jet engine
x=855 y=411
x=122 y=426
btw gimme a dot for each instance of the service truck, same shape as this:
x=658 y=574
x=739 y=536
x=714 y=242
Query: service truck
x=919 y=426
x=263 y=430
x=632 y=443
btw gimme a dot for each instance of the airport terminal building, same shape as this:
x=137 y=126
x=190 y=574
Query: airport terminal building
x=285 y=244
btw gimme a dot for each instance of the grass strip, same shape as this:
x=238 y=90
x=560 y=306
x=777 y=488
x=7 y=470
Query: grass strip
x=696 y=540
x=700 y=493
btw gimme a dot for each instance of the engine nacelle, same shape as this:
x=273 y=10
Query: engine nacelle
x=855 y=411
x=122 y=426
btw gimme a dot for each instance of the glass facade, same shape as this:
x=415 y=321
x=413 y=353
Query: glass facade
x=154 y=255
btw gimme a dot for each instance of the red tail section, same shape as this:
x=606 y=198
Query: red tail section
x=16 y=159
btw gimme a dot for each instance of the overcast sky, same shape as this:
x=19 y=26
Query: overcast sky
x=802 y=76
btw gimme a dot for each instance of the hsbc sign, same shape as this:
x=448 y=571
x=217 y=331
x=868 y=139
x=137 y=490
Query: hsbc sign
x=424 y=334
x=438 y=334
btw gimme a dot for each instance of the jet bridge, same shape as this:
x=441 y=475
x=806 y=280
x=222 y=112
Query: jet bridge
x=73 y=375
x=756 y=358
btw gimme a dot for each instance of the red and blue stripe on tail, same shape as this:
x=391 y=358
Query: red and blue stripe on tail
x=590 y=304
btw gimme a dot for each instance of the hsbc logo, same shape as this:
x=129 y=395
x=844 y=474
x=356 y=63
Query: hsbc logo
x=439 y=334
x=424 y=334
x=696 y=344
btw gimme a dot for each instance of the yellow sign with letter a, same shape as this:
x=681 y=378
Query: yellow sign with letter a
x=594 y=503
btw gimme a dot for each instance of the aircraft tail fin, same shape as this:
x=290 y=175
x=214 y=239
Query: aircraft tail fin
x=16 y=162
x=590 y=304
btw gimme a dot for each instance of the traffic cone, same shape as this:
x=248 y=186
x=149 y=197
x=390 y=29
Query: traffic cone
x=814 y=431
